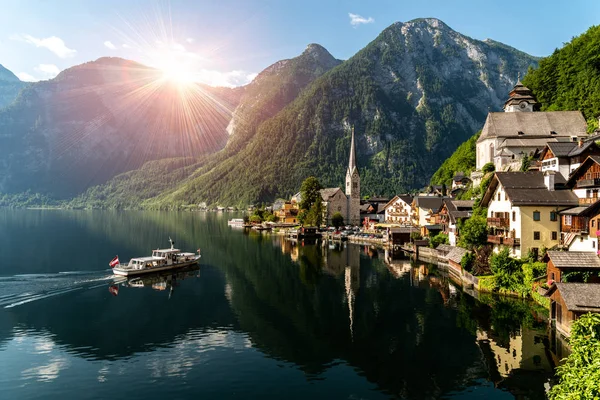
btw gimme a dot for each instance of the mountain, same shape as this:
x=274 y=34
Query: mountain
x=569 y=79
x=99 y=119
x=271 y=91
x=413 y=94
x=10 y=86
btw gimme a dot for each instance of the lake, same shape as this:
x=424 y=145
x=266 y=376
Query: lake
x=261 y=317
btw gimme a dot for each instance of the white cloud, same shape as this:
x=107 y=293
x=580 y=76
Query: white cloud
x=25 y=77
x=48 y=71
x=189 y=40
x=109 y=44
x=356 y=20
x=178 y=47
x=52 y=43
x=126 y=46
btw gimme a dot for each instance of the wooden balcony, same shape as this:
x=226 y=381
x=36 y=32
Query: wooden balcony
x=588 y=200
x=588 y=183
x=578 y=225
x=498 y=222
x=495 y=239
x=511 y=241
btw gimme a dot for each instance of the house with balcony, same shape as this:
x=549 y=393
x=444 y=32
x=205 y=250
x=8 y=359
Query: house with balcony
x=523 y=210
x=424 y=208
x=399 y=210
x=579 y=228
x=585 y=181
x=288 y=213
x=566 y=157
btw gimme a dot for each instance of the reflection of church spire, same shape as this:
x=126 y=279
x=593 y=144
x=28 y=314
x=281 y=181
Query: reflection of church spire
x=350 y=298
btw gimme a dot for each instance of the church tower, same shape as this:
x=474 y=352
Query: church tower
x=521 y=99
x=352 y=188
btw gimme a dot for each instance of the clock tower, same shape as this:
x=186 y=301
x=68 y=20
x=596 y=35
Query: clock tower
x=352 y=188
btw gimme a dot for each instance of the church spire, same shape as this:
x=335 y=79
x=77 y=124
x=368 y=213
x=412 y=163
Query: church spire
x=352 y=162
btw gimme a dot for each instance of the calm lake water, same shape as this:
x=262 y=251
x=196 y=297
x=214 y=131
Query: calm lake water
x=260 y=318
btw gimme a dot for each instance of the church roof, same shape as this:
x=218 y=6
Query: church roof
x=328 y=193
x=519 y=94
x=533 y=125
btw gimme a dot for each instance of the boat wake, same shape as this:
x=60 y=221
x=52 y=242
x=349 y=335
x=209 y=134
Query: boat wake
x=21 y=289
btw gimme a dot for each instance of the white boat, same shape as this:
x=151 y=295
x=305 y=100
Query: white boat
x=236 y=222
x=160 y=260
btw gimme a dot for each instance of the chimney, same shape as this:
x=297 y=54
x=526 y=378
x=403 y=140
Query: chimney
x=549 y=180
x=580 y=142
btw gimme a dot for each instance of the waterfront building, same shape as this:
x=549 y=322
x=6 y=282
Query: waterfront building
x=585 y=181
x=561 y=262
x=523 y=210
x=568 y=301
x=423 y=208
x=451 y=212
x=566 y=157
x=579 y=227
x=288 y=213
x=522 y=130
x=399 y=210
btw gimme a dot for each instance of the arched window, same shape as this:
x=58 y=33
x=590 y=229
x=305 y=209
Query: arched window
x=491 y=152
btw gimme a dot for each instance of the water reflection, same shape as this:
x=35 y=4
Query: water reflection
x=260 y=316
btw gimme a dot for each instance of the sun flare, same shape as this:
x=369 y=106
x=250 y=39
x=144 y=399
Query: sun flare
x=178 y=73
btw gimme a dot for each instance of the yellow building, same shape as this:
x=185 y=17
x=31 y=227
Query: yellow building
x=288 y=214
x=523 y=210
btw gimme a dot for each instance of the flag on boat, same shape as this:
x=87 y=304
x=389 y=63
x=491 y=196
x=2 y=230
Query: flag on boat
x=114 y=290
x=114 y=262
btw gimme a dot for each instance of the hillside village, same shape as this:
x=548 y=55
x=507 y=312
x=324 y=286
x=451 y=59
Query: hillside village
x=531 y=202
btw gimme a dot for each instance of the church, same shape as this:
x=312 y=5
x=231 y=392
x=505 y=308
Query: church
x=521 y=129
x=348 y=203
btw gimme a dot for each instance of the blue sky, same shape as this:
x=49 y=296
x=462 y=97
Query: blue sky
x=229 y=41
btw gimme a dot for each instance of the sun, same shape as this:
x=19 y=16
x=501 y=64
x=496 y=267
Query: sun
x=178 y=73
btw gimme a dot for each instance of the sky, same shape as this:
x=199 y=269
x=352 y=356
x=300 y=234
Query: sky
x=228 y=42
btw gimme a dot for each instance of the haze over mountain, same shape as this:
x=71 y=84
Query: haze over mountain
x=413 y=94
x=102 y=118
x=10 y=86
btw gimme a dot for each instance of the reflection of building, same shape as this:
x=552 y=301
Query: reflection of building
x=524 y=351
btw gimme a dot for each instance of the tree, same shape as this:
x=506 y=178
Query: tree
x=507 y=271
x=337 y=220
x=310 y=191
x=314 y=216
x=579 y=376
x=416 y=235
x=488 y=167
x=440 y=238
x=473 y=232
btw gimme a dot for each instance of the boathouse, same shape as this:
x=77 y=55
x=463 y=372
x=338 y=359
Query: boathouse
x=568 y=301
x=561 y=262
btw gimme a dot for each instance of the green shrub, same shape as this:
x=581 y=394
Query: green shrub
x=488 y=167
x=468 y=262
x=440 y=238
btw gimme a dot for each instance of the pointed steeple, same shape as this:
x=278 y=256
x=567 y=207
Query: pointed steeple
x=352 y=162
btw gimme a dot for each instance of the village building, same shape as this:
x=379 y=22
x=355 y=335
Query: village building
x=423 y=208
x=523 y=210
x=399 y=210
x=566 y=157
x=568 y=301
x=585 y=181
x=288 y=213
x=579 y=228
x=451 y=213
x=560 y=263
x=372 y=210
x=522 y=130
x=460 y=181
x=334 y=201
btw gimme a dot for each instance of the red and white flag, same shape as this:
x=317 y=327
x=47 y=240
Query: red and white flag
x=114 y=290
x=114 y=262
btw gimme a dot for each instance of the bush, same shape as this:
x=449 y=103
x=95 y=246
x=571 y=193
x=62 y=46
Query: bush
x=440 y=238
x=468 y=262
x=507 y=272
x=255 y=219
x=416 y=235
x=337 y=220
x=579 y=376
x=473 y=232
x=488 y=167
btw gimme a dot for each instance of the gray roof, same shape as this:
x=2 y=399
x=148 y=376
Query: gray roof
x=574 y=210
x=456 y=215
x=463 y=203
x=579 y=296
x=407 y=198
x=444 y=248
x=327 y=193
x=456 y=254
x=429 y=202
x=574 y=259
x=528 y=189
x=402 y=229
x=533 y=125
x=571 y=149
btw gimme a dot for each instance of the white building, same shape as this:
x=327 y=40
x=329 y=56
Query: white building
x=399 y=210
x=522 y=130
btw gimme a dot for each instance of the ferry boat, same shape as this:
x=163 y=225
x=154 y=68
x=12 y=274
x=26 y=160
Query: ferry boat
x=160 y=260
x=237 y=222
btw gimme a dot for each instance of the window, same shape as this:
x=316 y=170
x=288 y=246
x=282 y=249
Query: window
x=593 y=244
x=568 y=220
x=554 y=235
x=593 y=222
x=498 y=196
x=553 y=216
x=536 y=235
x=536 y=215
x=514 y=216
